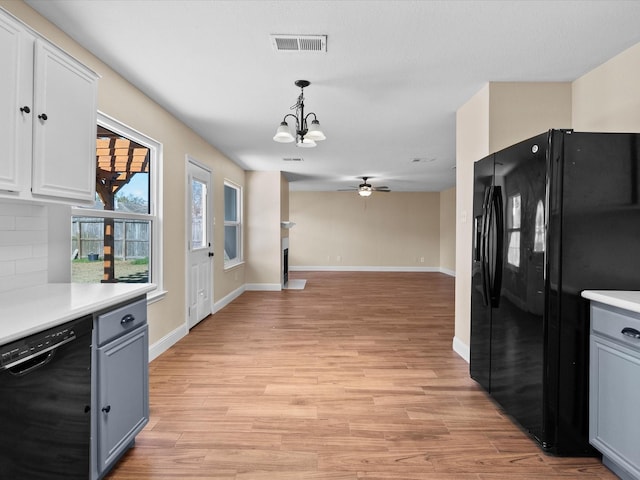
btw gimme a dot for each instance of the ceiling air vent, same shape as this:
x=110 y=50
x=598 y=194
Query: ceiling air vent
x=292 y=159
x=299 y=43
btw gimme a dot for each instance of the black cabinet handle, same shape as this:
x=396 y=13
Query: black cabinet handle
x=43 y=116
x=211 y=254
x=25 y=109
x=128 y=318
x=106 y=409
x=631 y=332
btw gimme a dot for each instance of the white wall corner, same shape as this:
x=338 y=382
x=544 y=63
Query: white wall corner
x=461 y=348
x=227 y=299
x=166 y=342
x=263 y=287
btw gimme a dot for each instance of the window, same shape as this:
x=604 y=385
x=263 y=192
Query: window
x=232 y=224
x=119 y=238
x=513 y=228
x=538 y=240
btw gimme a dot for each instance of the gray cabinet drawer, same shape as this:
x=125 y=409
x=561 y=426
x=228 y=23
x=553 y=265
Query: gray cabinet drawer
x=121 y=320
x=610 y=322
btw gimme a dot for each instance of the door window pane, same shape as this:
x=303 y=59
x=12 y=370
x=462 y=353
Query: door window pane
x=198 y=214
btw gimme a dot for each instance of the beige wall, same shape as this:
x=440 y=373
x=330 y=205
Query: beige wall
x=472 y=143
x=607 y=99
x=120 y=100
x=448 y=230
x=342 y=229
x=262 y=227
x=499 y=115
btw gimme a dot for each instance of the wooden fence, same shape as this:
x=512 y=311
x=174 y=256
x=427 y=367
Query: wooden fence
x=131 y=238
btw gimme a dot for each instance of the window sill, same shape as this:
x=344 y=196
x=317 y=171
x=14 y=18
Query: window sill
x=231 y=266
x=155 y=296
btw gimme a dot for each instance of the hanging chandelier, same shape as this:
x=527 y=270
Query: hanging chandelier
x=306 y=135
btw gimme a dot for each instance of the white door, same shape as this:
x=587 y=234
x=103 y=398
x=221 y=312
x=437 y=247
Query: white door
x=200 y=247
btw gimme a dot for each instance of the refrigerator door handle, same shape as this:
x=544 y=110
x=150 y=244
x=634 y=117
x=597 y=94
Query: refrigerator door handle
x=484 y=246
x=498 y=213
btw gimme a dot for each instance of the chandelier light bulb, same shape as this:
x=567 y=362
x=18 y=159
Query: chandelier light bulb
x=306 y=143
x=315 y=133
x=283 y=135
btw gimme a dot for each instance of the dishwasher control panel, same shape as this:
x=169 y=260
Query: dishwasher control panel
x=18 y=351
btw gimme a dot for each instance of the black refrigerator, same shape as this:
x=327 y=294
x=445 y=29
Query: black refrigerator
x=553 y=215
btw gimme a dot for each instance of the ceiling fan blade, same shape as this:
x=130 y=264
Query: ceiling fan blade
x=381 y=189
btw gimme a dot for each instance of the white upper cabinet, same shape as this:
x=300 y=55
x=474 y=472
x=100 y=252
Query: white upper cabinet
x=12 y=120
x=48 y=116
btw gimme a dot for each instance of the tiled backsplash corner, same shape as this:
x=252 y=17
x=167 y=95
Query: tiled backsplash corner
x=23 y=245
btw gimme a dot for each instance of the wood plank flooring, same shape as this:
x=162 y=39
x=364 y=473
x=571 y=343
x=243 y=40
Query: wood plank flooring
x=352 y=378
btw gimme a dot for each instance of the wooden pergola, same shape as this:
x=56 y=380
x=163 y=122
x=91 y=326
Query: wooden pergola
x=118 y=159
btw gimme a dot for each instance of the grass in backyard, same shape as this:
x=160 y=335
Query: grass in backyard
x=85 y=271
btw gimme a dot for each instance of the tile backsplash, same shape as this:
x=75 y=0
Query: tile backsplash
x=23 y=245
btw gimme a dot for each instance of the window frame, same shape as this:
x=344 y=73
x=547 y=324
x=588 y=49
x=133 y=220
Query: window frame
x=228 y=264
x=514 y=230
x=155 y=201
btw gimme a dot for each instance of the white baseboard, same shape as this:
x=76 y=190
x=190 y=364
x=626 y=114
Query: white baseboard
x=335 y=268
x=227 y=299
x=446 y=271
x=461 y=348
x=263 y=287
x=166 y=342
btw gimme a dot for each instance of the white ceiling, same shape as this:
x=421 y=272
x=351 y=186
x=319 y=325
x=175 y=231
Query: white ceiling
x=386 y=91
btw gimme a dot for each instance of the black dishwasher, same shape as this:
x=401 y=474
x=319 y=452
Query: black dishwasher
x=45 y=398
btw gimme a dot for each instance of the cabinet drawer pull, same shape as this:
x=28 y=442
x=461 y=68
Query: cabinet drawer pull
x=43 y=116
x=106 y=409
x=128 y=318
x=631 y=332
x=25 y=109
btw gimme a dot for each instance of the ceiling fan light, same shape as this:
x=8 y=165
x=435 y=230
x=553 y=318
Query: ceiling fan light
x=283 y=135
x=315 y=133
x=365 y=191
x=306 y=143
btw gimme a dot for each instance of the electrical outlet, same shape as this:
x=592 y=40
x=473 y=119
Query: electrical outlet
x=339 y=258
x=421 y=259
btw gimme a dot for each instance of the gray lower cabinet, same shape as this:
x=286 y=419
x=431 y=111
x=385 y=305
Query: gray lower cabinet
x=121 y=382
x=614 y=399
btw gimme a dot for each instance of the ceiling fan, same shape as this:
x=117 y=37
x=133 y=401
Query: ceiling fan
x=365 y=189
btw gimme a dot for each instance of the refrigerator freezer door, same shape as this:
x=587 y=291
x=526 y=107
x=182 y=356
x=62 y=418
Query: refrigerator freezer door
x=517 y=338
x=480 y=348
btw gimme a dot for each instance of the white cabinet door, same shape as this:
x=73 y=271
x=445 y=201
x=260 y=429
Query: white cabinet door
x=16 y=93
x=64 y=126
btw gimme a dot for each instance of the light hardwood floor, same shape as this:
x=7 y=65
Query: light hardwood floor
x=351 y=378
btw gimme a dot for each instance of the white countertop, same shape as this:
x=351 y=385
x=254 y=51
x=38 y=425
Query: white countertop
x=30 y=310
x=625 y=299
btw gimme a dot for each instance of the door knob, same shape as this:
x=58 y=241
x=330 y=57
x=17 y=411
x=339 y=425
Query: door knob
x=43 y=116
x=25 y=109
